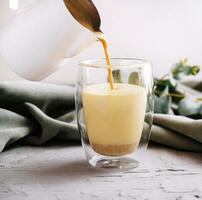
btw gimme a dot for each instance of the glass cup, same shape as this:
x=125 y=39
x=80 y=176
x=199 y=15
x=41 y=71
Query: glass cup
x=114 y=124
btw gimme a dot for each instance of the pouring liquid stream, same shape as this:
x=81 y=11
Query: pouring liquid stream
x=102 y=39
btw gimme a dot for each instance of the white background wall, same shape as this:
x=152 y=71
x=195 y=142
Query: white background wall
x=162 y=31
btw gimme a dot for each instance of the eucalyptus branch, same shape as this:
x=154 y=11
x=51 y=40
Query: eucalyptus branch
x=167 y=87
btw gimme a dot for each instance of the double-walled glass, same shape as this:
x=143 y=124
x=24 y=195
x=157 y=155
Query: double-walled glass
x=114 y=124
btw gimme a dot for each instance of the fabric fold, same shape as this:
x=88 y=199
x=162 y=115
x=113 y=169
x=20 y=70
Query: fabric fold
x=180 y=124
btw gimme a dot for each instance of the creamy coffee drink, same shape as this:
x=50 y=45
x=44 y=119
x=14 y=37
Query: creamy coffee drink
x=114 y=118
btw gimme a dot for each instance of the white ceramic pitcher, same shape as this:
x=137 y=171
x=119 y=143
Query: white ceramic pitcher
x=40 y=37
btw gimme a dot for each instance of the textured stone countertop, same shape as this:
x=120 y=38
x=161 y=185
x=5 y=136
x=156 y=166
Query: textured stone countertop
x=61 y=173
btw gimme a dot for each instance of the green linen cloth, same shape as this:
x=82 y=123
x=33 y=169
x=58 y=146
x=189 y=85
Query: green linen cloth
x=33 y=113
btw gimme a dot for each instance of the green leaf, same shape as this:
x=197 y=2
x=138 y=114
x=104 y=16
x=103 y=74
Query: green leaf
x=165 y=92
x=195 y=70
x=162 y=104
x=164 y=84
x=188 y=106
x=173 y=82
x=183 y=68
x=117 y=76
x=134 y=78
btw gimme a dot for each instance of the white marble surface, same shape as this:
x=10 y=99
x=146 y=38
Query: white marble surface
x=61 y=173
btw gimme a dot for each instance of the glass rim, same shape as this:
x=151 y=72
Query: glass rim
x=128 y=62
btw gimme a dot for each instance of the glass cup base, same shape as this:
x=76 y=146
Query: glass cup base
x=119 y=163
